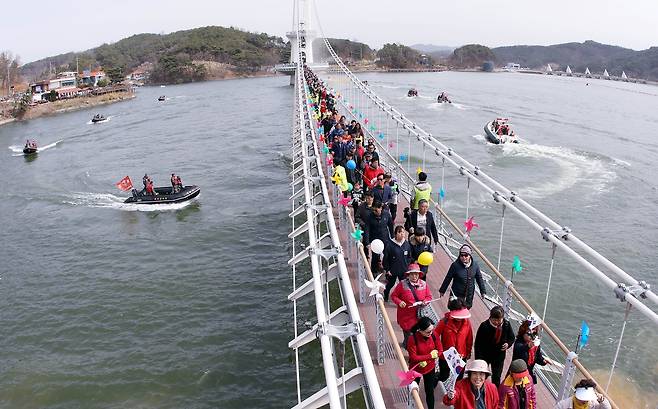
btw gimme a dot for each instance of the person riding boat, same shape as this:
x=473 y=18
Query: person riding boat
x=442 y=98
x=149 y=188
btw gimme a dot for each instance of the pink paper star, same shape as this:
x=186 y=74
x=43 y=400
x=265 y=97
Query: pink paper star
x=409 y=376
x=469 y=224
x=365 y=121
x=344 y=201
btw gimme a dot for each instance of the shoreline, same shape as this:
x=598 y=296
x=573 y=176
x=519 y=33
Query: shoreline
x=70 y=105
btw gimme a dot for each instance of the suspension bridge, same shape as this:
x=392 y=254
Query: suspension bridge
x=359 y=343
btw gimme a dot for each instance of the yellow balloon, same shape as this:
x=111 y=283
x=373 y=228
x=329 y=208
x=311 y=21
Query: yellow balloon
x=425 y=258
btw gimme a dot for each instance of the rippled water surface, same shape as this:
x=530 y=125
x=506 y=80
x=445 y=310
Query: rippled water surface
x=108 y=305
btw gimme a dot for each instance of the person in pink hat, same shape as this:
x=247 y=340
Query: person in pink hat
x=455 y=330
x=408 y=295
x=475 y=391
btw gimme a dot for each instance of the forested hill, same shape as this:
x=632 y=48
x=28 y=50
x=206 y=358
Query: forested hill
x=596 y=56
x=174 y=55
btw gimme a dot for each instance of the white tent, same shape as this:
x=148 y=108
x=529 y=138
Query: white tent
x=623 y=75
x=587 y=71
x=548 y=68
x=605 y=73
x=568 y=70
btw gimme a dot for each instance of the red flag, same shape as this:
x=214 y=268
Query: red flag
x=125 y=184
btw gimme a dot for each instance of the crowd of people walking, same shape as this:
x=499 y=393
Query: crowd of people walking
x=399 y=252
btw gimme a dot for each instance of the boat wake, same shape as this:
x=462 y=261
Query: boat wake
x=18 y=149
x=575 y=168
x=389 y=86
x=110 y=201
x=440 y=107
x=479 y=137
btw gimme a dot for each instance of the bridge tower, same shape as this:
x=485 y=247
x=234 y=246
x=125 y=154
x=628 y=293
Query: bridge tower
x=306 y=34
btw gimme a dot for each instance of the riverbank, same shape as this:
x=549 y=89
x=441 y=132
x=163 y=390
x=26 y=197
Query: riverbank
x=68 y=105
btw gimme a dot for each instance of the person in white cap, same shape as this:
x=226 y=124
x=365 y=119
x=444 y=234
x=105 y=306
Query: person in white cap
x=474 y=392
x=585 y=397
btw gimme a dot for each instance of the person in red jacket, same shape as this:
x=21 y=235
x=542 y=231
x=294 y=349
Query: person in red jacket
x=406 y=294
x=474 y=392
x=455 y=331
x=424 y=348
x=371 y=172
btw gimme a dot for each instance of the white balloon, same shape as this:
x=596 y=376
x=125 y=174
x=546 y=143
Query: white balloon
x=377 y=246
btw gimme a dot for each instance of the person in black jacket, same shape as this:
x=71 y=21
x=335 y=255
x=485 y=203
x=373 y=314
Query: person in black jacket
x=397 y=257
x=382 y=191
x=378 y=225
x=493 y=338
x=363 y=210
x=420 y=243
x=528 y=348
x=464 y=273
x=422 y=218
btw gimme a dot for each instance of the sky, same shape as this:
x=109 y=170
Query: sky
x=41 y=28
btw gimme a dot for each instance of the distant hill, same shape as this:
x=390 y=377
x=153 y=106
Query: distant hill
x=471 y=56
x=400 y=56
x=596 y=56
x=188 y=55
x=174 y=55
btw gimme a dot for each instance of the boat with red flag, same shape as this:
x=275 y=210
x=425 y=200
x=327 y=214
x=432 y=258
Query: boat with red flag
x=177 y=193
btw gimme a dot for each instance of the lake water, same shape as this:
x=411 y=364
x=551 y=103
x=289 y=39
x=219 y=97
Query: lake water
x=114 y=306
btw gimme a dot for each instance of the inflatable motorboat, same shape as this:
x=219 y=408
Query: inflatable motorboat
x=491 y=131
x=30 y=147
x=98 y=118
x=161 y=98
x=412 y=93
x=164 y=195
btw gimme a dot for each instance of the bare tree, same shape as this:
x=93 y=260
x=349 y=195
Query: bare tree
x=9 y=71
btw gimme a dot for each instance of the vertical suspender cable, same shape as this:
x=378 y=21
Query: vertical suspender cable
x=397 y=146
x=500 y=245
x=468 y=195
x=614 y=361
x=409 y=153
x=550 y=276
x=443 y=179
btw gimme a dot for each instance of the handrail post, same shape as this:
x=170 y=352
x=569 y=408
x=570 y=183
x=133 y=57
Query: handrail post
x=507 y=302
x=410 y=400
x=567 y=376
x=381 y=356
x=361 y=272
